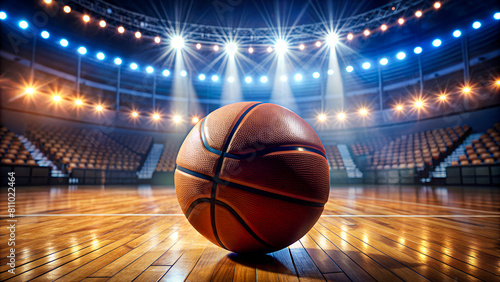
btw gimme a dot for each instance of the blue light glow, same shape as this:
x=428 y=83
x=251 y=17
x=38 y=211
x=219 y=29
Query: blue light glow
x=401 y=55
x=457 y=33
x=496 y=16
x=263 y=79
x=349 y=68
x=3 y=15
x=248 y=79
x=118 y=61
x=298 y=77
x=23 y=24
x=64 y=42
x=100 y=56
x=133 y=66
x=150 y=69
x=330 y=72
x=316 y=74
x=165 y=72
x=82 y=50
x=417 y=50
x=437 y=42
x=201 y=77
x=45 y=34
x=183 y=73
x=476 y=25
x=215 y=78
x=366 y=65
x=383 y=61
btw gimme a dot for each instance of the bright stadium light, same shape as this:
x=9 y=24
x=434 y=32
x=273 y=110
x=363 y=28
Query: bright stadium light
x=332 y=39
x=248 y=79
x=230 y=79
x=418 y=14
x=56 y=98
x=133 y=66
x=302 y=47
x=149 y=69
x=401 y=21
x=23 y=24
x=195 y=120
x=383 y=27
x=384 y=61
x=250 y=50
x=118 y=61
x=177 y=42
x=466 y=90
x=138 y=34
x=45 y=34
x=201 y=77
x=78 y=102
x=3 y=15
x=350 y=36
x=198 y=46
x=102 y=23
x=82 y=50
x=417 y=50
x=322 y=117
x=100 y=56
x=215 y=78
x=442 y=97
x=67 y=9
x=401 y=55
x=177 y=118
x=436 y=42
x=283 y=78
x=476 y=25
x=231 y=48
x=330 y=72
x=419 y=104
x=157 y=39
x=316 y=74
x=366 y=65
x=263 y=79
x=349 y=68
x=399 y=107
x=165 y=72
x=216 y=47
x=281 y=46
x=340 y=116
x=156 y=116
x=183 y=73
x=99 y=108
x=437 y=5
x=135 y=114
x=86 y=18
x=30 y=90
x=298 y=77
x=457 y=33
x=121 y=29
x=496 y=16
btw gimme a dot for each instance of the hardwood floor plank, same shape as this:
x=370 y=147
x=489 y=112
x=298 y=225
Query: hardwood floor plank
x=183 y=266
x=204 y=269
x=306 y=269
x=320 y=258
x=285 y=266
x=152 y=273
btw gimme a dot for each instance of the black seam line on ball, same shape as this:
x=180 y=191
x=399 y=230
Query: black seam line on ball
x=232 y=211
x=219 y=167
x=250 y=189
x=255 y=153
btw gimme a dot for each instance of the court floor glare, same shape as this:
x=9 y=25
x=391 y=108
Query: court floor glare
x=366 y=233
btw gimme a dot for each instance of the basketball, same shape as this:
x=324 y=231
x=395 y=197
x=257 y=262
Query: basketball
x=252 y=177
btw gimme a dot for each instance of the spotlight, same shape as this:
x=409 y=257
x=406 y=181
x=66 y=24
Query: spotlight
x=436 y=42
x=350 y=36
x=135 y=114
x=177 y=118
x=133 y=66
x=56 y=98
x=183 y=73
x=86 y=18
x=149 y=69
x=165 y=72
x=250 y=50
x=366 y=32
x=496 y=16
x=419 y=104
x=318 y=44
x=177 y=42
x=466 y=90
x=78 y=102
x=102 y=23
x=497 y=82
x=156 y=116
x=216 y=47
x=157 y=39
x=195 y=120
x=332 y=39
x=138 y=34
x=47 y=1
x=322 y=117
x=366 y=65
x=230 y=79
x=302 y=47
x=121 y=29
x=98 y=108
x=248 y=79
x=401 y=21
x=417 y=50
x=316 y=74
x=284 y=78
x=476 y=25
x=269 y=49
x=64 y=42
x=215 y=78
x=457 y=33
x=3 y=15
x=383 y=27
x=399 y=107
x=437 y=5
x=349 y=68
x=418 y=14
x=45 y=34
x=231 y=48
x=82 y=50
x=100 y=56
x=383 y=61
x=442 y=97
x=298 y=77
x=30 y=90
x=340 y=116
x=401 y=55
x=363 y=111
x=281 y=46
x=263 y=79
x=67 y=9
x=23 y=24
x=330 y=72
x=118 y=61
x=198 y=46
x=201 y=77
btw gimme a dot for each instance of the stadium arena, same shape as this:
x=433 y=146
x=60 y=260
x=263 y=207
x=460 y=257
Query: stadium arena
x=235 y=140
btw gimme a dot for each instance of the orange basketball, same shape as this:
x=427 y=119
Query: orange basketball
x=252 y=177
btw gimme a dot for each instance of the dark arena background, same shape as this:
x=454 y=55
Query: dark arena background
x=98 y=96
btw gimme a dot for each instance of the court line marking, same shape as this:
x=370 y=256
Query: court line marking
x=418 y=204
x=325 y=215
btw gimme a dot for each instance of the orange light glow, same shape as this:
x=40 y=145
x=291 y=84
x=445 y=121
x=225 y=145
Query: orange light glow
x=401 y=21
x=383 y=27
x=102 y=23
x=135 y=114
x=86 y=18
x=437 y=5
x=56 y=98
x=121 y=29
x=195 y=120
x=98 y=108
x=67 y=9
x=322 y=117
x=418 y=14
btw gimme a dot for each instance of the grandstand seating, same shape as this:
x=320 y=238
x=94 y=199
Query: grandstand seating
x=484 y=150
x=12 y=151
x=167 y=159
x=369 y=146
x=138 y=143
x=334 y=159
x=420 y=150
x=70 y=148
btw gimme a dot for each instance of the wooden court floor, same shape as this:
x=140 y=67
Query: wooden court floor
x=384 y=233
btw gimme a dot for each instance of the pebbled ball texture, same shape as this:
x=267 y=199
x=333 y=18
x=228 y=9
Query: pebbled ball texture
x=252 y=177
